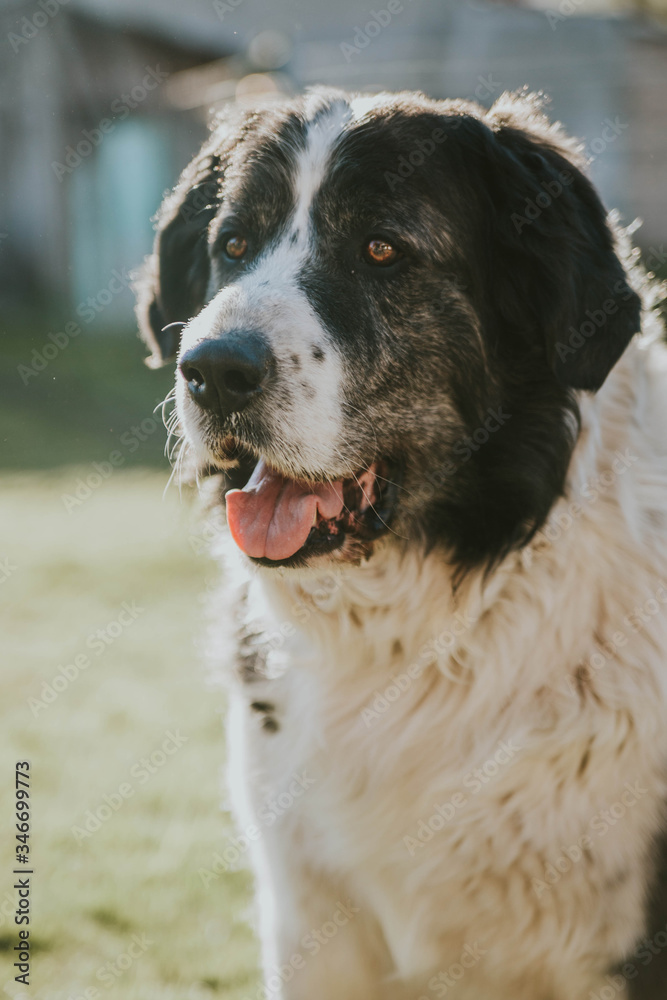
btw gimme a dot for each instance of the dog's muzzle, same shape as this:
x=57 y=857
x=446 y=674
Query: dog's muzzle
x=273 y=518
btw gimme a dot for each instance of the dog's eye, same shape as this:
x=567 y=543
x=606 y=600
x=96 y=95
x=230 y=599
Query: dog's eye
x=236 y=247
x=381 y=253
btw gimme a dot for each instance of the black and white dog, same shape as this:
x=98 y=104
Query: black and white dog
x=412 y=346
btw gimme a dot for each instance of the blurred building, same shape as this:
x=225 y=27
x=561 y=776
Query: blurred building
x=103 y=101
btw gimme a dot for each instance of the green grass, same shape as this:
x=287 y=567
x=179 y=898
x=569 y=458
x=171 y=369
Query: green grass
x=138 y=874
x=84 y=404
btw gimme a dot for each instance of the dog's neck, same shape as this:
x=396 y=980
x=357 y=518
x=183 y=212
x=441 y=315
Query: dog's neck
x=403 y=598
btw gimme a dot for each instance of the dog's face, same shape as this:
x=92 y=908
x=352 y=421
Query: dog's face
x=384 y=306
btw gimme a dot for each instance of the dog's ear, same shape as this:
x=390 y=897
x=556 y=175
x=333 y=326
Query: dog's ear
x=558 y=274
x=171 y=287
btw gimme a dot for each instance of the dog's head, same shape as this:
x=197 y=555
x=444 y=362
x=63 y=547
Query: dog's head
x=384 y=306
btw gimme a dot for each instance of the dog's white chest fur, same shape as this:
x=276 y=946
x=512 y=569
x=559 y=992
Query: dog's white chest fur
x=451 y=777
x=445 y=760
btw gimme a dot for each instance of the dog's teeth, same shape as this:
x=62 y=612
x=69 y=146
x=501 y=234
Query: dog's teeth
x=314 y=524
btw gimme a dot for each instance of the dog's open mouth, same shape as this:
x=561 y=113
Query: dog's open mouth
x=279 y=521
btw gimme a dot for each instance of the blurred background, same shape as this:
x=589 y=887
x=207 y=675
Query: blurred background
x=102 y=102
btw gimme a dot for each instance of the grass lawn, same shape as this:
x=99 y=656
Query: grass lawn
x=71 y=573
x=93 y=397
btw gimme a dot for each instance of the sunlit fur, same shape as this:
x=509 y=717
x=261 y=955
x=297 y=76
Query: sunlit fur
x=536 y=656
x=515 y=674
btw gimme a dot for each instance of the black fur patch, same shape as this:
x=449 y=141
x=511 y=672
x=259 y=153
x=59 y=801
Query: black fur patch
x=267 y=710
x=252 y=652
x=507 y=295
x=646 y=970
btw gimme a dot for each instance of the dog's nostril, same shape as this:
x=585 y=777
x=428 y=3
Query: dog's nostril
x=223 y=375
x=193 y=375
x=239 y=381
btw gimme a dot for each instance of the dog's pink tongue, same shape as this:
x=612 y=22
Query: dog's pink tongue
x=271 y=516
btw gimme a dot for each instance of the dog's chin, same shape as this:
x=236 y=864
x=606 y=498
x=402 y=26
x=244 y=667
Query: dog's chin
x=279 y=521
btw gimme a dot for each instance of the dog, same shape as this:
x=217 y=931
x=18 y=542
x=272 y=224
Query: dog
x=422 y=371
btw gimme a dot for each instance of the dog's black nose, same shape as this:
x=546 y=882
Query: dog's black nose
x=223 y=375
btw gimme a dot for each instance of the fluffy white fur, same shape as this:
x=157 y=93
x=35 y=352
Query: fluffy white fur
x=476 y=908
x=473 y=775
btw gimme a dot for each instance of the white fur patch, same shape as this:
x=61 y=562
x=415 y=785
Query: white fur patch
x=479 y=773
x=306 y=415
x=442 y=735
x=313 y=162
